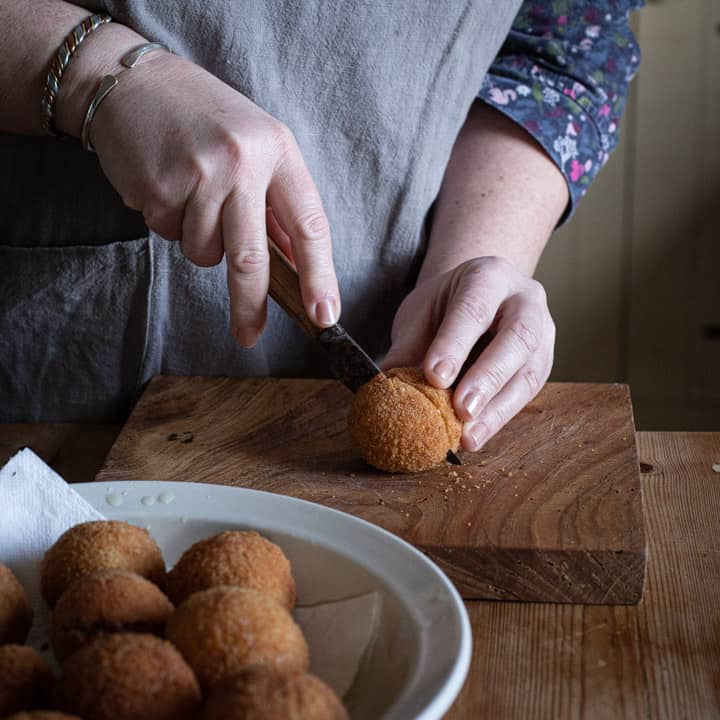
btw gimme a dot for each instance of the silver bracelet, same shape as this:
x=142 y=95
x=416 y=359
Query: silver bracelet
x=131 y=59
x=108 y=83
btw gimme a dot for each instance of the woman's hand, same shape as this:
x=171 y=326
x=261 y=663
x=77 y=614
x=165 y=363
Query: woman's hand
x=440 y=321
x=201 y=162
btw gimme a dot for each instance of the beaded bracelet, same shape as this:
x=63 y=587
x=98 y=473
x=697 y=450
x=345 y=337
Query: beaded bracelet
x=60 y=62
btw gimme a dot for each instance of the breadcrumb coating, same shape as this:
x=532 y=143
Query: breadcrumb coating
x=15 y=609
x=239 y=558
x=261 y=695
x=99 y=545
x=401 y=423
x=26 y=679
x=127 y=676
x=225 y=630
x=110 y=601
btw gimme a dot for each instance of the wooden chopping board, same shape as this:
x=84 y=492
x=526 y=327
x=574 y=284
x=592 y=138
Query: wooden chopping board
x=549 y=510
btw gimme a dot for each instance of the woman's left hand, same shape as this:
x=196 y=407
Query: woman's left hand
x=440 y=321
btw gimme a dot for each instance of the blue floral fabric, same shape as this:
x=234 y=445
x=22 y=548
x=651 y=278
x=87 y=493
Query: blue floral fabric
x=563 y=74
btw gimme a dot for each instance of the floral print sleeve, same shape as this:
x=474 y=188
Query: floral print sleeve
x=563 y=73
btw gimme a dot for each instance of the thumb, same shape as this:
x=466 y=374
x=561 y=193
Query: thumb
x=405 y=351
x=412 y=331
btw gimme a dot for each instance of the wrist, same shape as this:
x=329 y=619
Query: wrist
x=99 y=55
x=439 y=263
x=462 y=237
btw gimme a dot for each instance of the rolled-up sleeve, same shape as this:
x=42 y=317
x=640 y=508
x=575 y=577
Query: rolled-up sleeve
x=563 y=73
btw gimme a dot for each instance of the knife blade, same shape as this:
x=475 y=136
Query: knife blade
x=347 y=361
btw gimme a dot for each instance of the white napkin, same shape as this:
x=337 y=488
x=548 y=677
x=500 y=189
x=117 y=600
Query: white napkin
x=36 y=507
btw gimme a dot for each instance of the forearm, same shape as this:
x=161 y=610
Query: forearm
x=501 y=196
x=34 y=30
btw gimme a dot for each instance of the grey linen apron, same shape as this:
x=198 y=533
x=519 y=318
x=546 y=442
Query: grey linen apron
x=375 y=92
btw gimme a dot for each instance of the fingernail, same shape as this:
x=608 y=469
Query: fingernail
x=471 y=402
x=247 y=336
x=325 y=312
x=479 y=434
x=246 y=340
x=444 y=369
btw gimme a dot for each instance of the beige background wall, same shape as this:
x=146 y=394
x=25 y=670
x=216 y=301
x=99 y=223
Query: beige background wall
x=634 y=279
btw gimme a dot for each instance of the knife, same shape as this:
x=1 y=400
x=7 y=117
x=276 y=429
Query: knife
x=347 y=361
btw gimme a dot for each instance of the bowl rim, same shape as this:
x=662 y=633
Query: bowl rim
x=221 y=504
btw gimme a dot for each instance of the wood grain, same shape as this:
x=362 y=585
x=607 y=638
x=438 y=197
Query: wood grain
x=74 y=451
x=659 y=660
x=539 y=661
x=285 y=288
x=549 y=510
x=679 y=627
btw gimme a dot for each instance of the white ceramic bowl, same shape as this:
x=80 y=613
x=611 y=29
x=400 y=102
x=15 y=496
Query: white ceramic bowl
x=419 y=660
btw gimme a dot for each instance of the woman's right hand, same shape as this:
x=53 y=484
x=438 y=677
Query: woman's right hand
x=202 y=163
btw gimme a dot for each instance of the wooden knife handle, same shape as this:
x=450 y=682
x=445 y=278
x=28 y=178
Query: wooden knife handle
x=285 y=288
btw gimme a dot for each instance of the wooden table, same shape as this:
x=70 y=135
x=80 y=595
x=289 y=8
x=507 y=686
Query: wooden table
x=660 y=659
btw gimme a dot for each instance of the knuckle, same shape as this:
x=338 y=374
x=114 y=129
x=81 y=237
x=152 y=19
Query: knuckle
x=202 y=173
x=494 y=380
x=473 y=270
x=484 y=265
x=475 y=265
x=495 y=419
x=452 y=350
x=235 y=152
x=311 y=226
x=456 y=355
x=498 y=264
x=280 y=138
x=536 y=292
x=475 y=311
x=532 y=380
x=245 y=189
x=526 y=335
x=247 y=261
x=540 y=291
